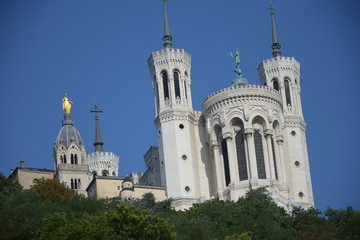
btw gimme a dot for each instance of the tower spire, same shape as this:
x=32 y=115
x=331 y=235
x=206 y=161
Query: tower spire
x=275 y=43
x=167 y=37
x=98 y=143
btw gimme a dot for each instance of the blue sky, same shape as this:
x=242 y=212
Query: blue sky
x=96 y=51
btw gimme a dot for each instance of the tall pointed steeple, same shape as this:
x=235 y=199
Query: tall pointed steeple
x=98 y=143
x=167 y=37
x=275 y=43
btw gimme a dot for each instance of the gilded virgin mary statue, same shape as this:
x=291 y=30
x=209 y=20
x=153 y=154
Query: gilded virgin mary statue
x=66 y=104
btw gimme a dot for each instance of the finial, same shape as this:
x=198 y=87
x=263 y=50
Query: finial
x=98 y=143
x=275 y=43
x=239 y=80
x=167 y=37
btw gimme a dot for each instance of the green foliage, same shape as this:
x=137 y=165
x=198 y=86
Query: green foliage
x=148 y=202
x=53 y=190
x=308 y=224
x=255 y=213
x=242 y=236
x=124 y=222
x=345 y=223
x=6 y=183
x=34 y=215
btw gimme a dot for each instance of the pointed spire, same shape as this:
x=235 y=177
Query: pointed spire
x=98 y=143
x=275 y=43
x=167 y=37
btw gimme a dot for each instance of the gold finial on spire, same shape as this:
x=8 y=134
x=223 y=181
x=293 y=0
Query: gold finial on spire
x=66 y=104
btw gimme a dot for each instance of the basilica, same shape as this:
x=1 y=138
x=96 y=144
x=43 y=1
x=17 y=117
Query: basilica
x=244 y=137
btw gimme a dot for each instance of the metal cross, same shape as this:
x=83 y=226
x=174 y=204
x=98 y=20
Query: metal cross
x=96 y=111
x=271 y=9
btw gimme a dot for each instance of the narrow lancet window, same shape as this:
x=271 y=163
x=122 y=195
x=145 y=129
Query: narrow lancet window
x=287 y=92
x=64 y=158
x=165 y=85
x=76 y=159
x=176 y=84
x=241 y=157
x=226 y=162
x=259 y=155
x=275 y=84
x=72 y=158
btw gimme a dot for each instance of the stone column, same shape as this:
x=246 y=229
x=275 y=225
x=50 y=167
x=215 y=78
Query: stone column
x=280 y=142
x=251 y=153
x=234 y=176
x=218 y=173
x=172 y=97
x=268 y=134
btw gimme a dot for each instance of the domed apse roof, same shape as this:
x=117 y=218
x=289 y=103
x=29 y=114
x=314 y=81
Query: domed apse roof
x=68 y=133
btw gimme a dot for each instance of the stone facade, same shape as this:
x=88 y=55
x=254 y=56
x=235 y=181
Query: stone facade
x=103 y=163
x=27 y=177
x=108 y=187
x=155 y=173
x=246 y=136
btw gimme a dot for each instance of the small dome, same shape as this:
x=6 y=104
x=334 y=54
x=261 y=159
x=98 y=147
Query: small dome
x=68 y=134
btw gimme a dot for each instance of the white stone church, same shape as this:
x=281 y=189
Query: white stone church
x=244 y=137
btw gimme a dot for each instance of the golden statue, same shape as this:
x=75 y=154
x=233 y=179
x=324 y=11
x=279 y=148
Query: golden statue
x=66 y=104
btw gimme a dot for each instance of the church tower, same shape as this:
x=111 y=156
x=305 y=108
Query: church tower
x=100 y=162
x=70 y=154
x=283 y=75
x=175 y=120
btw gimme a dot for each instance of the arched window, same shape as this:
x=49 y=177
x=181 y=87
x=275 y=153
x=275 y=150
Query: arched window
x=76 y=159
x=275 y=84
x=64 y=158
x=176 y=84
x=274 y=157
x=72 y=158
x=72 y=184
x=165 y=84
x=226 y=161
x=61 y=158
x=287 y=92
x=105 y=173
x=241 y=157
x=75 y=184
x=259 y=155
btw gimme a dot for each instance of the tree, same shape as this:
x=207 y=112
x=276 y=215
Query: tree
x=256 y=213
x=242 y=236
x=344 y=223
x=148 y=201
x=53 y=190
x=309 y=224
x=123 y=223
